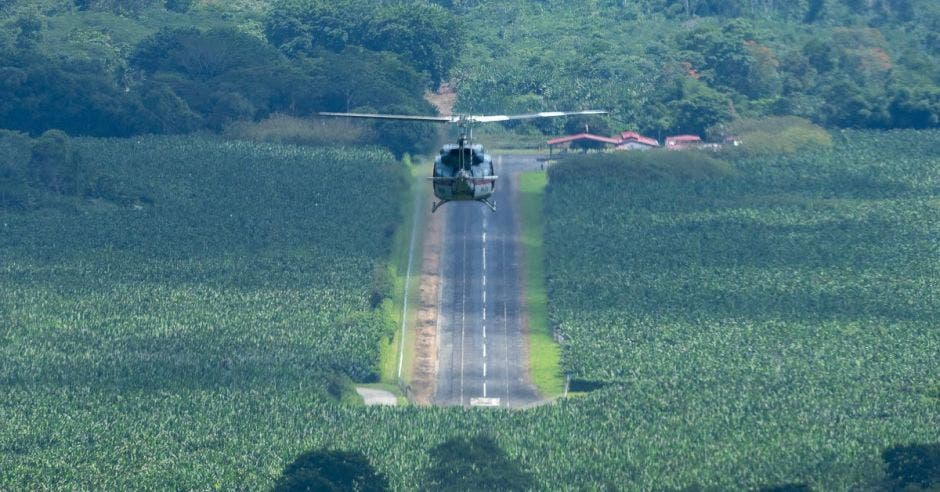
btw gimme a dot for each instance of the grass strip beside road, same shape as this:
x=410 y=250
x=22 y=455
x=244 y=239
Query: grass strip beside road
x=544 y=352
x=398 y=265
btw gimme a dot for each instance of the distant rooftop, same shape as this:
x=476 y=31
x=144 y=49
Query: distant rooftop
x=583 y=136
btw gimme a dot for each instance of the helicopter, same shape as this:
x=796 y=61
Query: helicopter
x=463 y=171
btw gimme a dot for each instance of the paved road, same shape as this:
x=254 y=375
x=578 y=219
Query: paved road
x=480 y=349
x=371 y=396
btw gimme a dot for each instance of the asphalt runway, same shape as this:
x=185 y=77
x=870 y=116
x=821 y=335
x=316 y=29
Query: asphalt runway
x=480 y=350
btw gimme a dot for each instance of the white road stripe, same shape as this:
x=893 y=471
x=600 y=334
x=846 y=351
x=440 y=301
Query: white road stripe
x=404 y=307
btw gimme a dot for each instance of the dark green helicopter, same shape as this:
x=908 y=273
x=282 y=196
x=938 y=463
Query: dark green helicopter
x=463 y=171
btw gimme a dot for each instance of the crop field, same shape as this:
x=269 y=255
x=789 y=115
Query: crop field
x=781 y=316
x=235 y=274
x=774 y=323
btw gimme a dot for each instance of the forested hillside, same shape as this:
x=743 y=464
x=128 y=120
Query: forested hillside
x=109 y=68
x=682 y=66
x=128 y=68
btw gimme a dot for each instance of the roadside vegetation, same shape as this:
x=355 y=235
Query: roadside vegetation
x=544 y=352
x=399 y=352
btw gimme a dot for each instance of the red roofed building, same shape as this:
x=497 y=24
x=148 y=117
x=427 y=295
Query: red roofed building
x=582 y=136
x=680 y=142
x=633 y=140
x=585 y=140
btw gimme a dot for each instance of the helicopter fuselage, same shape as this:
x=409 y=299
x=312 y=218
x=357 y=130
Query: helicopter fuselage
x=463 y=173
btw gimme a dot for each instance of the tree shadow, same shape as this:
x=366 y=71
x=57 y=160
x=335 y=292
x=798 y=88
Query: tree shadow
x=914 y=467
x=328 y=470
x=476 y=463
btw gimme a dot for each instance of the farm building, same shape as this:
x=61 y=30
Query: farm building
x=623 y=141
x=635 y=141
x=582 y=138
x=680 y=142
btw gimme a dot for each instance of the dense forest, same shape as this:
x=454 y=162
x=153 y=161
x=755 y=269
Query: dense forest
x=683 y=66
x=121 y=68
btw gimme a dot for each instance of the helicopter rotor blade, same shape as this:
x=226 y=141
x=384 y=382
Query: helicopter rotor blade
x=463 y=119
x=398 y=117
x=530 y=116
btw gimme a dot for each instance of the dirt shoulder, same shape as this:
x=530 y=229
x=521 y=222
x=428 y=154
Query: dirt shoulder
x=424 y=373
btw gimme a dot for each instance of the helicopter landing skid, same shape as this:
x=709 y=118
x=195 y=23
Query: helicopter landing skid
x=437 y=205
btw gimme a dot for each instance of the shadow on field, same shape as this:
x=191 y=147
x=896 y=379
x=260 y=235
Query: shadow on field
x=326 y=470
x=912 y=468
x=164 y=364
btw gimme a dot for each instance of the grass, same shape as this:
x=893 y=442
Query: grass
x=398 y=269
x=544 y=353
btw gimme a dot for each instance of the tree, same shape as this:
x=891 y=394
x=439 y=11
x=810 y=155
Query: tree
x=915 y=108
x=224 y=74
x=297 y=26
x=179 y=5
x=170 y=113
x=29 y=27
x=326 y=470
x=15 y=149
x=52 y=164
x=815 y=11
x=426 y=35
x=477 y=463
x=698 y=108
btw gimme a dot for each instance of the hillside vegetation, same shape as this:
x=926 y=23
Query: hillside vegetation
x=107 y=68
x=676 y=66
